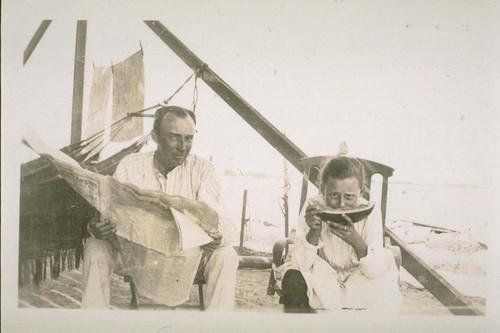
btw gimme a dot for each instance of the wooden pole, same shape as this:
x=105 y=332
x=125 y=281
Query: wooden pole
x=433 y=281
x=78 y=81
x=35 y=40
x=243 y=218
x=285 y=197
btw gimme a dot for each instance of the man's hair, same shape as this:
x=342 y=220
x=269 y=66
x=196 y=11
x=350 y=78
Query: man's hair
x=344 y=167
x=176 y=110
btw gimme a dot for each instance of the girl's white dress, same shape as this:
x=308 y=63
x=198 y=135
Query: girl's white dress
x=335 y=277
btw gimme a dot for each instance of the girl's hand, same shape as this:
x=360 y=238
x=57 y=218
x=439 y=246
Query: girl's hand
x=348 y=234
x=314 y=222
x=312 y=218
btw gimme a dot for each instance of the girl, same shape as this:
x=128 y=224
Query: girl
x=335 y=265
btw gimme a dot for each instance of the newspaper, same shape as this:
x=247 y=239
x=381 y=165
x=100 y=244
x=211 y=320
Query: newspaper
x=158 y=236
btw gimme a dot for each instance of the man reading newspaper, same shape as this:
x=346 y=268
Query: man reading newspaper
x=172 y=170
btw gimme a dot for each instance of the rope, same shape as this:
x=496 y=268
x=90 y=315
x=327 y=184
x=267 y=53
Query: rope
x=114 y=132
x=195 y=93
x=100 y=136
x=165 y=102
x=85 y=142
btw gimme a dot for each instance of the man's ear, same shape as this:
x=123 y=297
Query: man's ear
x=154 y=136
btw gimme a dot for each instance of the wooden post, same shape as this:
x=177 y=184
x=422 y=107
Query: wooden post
x=243 y=218
x=285 y=197
x=78 y=81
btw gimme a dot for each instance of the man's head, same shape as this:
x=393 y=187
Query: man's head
x=173 y=131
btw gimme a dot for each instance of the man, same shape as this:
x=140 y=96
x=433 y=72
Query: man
x=170 y=169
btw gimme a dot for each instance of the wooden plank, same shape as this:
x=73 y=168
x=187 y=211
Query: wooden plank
x=267 y=130
x=78 y=81
x=437 y=285
x=35 y=40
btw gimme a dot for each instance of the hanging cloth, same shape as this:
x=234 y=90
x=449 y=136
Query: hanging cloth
x=98 y=104
x=128 y=95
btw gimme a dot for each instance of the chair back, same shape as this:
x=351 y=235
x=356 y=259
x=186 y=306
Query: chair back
x=311 y=173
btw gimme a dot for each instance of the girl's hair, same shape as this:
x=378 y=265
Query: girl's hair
x=344 y=167
x=177 y=110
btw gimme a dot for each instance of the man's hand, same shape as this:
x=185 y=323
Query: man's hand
x=212 y=245
x=104 y=229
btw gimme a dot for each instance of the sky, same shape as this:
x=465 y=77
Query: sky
x=410 y=84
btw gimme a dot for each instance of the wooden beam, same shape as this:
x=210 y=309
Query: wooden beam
x=267 y=130
x=437 y=285
x=35 y=40
x=78 y=81
x=255 y=262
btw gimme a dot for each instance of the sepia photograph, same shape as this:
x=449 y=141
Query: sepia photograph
x=250 y=166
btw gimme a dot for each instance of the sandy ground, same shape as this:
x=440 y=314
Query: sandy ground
x=251 y=295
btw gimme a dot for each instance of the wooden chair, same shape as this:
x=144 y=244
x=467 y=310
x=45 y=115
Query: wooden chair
x=134 y=302
x=312 y=167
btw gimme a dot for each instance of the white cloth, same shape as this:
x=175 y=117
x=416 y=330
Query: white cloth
x=194 y=179
x=335 y=277
x=100 y=260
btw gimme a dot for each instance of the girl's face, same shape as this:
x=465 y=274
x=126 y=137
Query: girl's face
x=341 y=193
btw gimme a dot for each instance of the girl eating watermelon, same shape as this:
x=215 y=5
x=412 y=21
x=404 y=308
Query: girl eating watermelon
x=339 y=263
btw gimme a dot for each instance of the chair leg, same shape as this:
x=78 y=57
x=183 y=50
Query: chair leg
x=134 y=304
x=271 y=285
x=200 y=293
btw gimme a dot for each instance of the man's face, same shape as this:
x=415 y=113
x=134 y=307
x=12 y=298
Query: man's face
x=174 y=139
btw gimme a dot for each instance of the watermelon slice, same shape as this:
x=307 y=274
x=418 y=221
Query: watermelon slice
x=356 y=214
